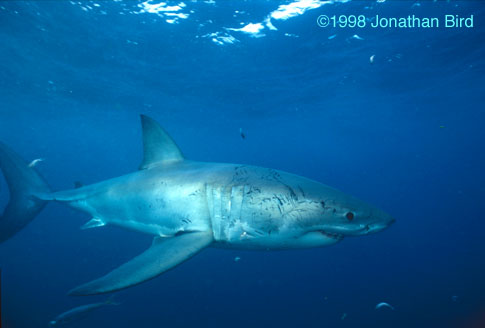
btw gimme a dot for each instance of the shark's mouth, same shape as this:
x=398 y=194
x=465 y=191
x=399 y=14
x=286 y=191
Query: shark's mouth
x=335 y=236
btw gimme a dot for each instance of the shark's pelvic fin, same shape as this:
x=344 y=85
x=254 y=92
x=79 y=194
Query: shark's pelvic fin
x=93 y=223
x=158 y=147
x=163 y=255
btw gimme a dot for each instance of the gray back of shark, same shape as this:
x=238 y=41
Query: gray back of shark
x=188 y=206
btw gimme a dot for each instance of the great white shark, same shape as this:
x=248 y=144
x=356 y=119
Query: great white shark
x=187 y=206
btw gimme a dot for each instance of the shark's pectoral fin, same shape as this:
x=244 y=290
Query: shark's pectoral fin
x=163 y=255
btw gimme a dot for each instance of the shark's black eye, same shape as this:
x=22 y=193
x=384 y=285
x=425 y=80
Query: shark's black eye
x=349 y=216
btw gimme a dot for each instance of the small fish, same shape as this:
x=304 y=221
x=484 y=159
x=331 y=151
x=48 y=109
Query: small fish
x=242 y=133
x=384 y=304
x=35 y=161
x=371 y=59
x=343 y=316
x=237 y=258
x=78 y=313
x=356 y=37
x=454 y=298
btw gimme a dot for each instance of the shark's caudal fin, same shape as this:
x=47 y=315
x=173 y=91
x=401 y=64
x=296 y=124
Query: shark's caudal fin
x=163 y=255
x=24 y=183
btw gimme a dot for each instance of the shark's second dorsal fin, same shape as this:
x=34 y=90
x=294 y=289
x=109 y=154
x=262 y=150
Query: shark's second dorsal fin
x=158 y=147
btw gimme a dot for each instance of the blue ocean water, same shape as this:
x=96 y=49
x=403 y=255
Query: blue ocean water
x=394 y=116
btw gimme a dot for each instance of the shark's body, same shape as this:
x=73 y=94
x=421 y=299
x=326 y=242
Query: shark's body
x=244 y=207
x=188 y=206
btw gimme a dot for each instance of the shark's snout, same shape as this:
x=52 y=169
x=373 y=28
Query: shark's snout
x=362 y=223
x=380 y=225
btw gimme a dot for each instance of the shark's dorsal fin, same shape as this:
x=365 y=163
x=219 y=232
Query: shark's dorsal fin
x=158 y=147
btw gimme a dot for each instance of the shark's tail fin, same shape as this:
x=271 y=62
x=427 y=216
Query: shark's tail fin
x=24 y=184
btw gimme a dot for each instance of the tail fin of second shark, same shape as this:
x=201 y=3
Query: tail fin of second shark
x=24 y=184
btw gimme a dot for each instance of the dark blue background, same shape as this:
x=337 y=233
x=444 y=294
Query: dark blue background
x=405 y=133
